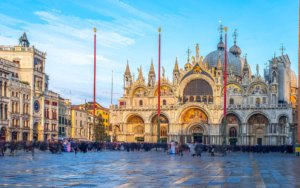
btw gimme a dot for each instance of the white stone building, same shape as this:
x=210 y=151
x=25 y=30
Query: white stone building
x=259 y=108
x=24 y=88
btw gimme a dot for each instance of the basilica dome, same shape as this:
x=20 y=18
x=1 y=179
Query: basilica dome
x=293 y=79
x=233 y=62
x=235 y=50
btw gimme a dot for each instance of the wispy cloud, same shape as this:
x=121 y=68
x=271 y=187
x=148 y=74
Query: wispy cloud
x=68 y=41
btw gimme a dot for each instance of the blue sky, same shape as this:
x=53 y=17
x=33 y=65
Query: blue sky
x=127 y=29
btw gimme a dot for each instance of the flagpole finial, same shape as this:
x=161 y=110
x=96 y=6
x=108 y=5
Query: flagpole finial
x=95 y=29
x=159 y=29
x=225 y=29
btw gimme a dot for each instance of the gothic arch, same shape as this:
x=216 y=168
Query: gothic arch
x=129 y=118
x=193 y=115
x=236 y=88
x=188 y=106
x=192 y=77
x=258 y=118
x=155 y=114
x=257 y=112
x=201 y=128
x=239 y=119
x=136 y=87
x=283 y=115
x=164 y=88
x=260 y=88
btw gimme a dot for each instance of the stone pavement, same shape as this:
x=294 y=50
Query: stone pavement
x=149 y=169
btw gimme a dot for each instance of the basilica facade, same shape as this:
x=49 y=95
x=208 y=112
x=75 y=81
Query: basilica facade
x=259 y=107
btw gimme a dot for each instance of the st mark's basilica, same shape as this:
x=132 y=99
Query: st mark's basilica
x=260 y=106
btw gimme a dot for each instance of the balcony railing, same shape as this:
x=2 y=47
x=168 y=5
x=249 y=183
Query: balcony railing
x=229 y=106
x=260 y=106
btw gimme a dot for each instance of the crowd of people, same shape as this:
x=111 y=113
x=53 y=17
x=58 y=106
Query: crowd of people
x=193 y=149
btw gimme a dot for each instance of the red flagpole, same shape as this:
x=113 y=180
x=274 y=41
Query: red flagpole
x=158 y=91
x=225 y=84
x=94 y=111
x=225 y=71
x=298 y=121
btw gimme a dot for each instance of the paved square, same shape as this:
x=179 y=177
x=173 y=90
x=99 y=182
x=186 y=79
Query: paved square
x=149 y=169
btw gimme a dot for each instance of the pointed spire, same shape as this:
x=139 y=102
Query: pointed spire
x=234 y=35
x=282 y=49
x=140 y=77
x=197 y=52
x=221 y=28
x=152 y=71
x=274 y=61
x=127 y=71
x=188 y=55
x=176 y=69
x=246 y=65
x=235 y=49
x=257 y=69
x=221 y=45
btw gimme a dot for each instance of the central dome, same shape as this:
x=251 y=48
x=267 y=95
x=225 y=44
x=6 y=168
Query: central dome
x=233 y=62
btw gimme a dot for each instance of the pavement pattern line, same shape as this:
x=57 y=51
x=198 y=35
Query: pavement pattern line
x=258 y=179
x=124 y=185
x=184 y=179
x=149 y=169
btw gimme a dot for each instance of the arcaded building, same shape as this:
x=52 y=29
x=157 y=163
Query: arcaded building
x=259 y=107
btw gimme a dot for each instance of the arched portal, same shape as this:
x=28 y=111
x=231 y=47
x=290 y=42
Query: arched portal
x=194 y=119
x=196 y=132
x=3 y=134
x=164 y=128
x=232 y=129
x=116 y=132
x=193 y=115
x=198 y=90
x=35 y=131
x=137 y=126
x=257 y=125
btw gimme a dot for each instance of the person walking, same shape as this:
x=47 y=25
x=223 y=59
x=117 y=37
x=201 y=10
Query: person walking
x=198 y=149
x=192 y=149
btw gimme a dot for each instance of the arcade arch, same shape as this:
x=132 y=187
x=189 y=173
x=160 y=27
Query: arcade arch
x=233 y=128
x=195 y=121
x=136 y=126
x=258 y=127
x=164 y=127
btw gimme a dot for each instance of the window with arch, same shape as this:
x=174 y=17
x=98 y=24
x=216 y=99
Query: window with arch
x=232 y=132
x=5 y=112
x=1 y=111
x=200 y=88
x=231 y=101
x=141 y=102
x=5 y=89
x=164 y=102
x=1 y=88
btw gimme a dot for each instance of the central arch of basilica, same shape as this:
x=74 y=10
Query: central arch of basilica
x=259 y=109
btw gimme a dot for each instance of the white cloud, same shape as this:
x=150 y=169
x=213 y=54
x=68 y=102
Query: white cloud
x=68 y=42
